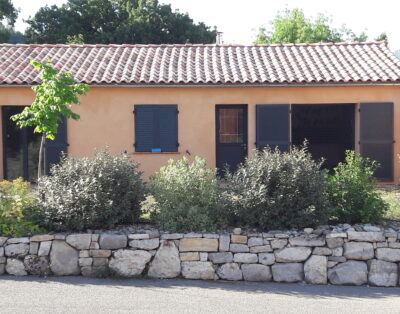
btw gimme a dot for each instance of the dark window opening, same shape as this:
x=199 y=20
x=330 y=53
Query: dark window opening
x=20 y=147
x=328 y=128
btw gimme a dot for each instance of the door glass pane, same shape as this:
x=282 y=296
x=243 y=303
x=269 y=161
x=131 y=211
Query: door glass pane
x=231 y=125
x=33 y=153
x=13 y=145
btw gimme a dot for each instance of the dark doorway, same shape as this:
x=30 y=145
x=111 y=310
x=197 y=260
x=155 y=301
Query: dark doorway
x=20 y=147
x=231 y=136
x=328 y=128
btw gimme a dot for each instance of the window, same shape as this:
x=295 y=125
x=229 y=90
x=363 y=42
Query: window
x=156 y=128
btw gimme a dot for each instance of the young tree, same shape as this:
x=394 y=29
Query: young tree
x=292 y=26
x=54 y=97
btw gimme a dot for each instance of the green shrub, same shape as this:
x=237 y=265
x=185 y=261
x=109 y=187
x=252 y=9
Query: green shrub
x=185 y=196
x=352 y=191
x=16 y=200
x=277 y=190
x=92 y=193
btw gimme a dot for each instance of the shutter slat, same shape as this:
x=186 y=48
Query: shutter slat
x=376 y=136
x=272 y=126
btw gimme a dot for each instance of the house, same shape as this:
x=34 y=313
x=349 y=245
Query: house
x=220 y=102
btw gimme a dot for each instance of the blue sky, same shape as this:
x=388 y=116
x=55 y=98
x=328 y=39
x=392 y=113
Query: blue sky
x=239 y=20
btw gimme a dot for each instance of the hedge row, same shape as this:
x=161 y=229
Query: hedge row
x=271 y=190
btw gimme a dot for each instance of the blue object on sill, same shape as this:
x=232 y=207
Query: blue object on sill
x=156 y=150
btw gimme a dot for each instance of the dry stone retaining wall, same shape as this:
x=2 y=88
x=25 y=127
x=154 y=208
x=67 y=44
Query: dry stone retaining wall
x=319 y=256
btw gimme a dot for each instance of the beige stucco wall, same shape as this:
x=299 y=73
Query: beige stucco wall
x=107 y=118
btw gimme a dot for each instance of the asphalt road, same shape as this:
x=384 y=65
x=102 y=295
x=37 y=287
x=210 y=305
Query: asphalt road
x=85 y=295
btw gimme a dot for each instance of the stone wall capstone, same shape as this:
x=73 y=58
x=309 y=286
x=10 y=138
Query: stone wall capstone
x=340 y=255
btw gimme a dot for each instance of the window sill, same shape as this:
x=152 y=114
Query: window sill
x=155 y=153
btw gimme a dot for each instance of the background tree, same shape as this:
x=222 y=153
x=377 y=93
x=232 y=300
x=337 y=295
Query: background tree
x=292 y=26
x=54 y=97
x=7 y=12
x=116 y=21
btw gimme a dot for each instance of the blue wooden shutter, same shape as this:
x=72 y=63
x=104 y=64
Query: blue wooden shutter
x=144 y=128
x=54 y=149
x=156 y=127
x=376 y=136
x=168 y=128
x=272 y=126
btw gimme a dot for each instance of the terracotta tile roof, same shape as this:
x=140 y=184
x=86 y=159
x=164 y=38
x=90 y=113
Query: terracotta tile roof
x=343 y=63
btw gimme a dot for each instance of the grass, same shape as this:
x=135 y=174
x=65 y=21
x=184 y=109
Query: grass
x=392 y=197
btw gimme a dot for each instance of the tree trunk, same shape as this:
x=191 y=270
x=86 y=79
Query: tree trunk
x=40 y=168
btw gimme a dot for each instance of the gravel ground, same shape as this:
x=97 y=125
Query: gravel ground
x=85 y=295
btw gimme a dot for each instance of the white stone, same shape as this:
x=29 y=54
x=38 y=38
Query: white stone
x=221 y=257
x=336 y=235
x=138 y=236
x=322 y=251
x=292 y=254
x=1 y=251
x=224 y=241
x=279 y=243
x=370 y=228
x=349 y=273
x=307 y=241
x=109 y=241
x=193 y=235
x=211 y=236
x=382 y=274
x=358 y=250
x=17 y=250
x=64 y=259
x=85 y=261
x=261 y=249
x=44 y=248
x=129 y=263
x=3 y=240
x=198 y=270
x=337 y=251
x=203 y=257
x=387 y=254
x=255 y=242
x=172 y=236
x=34 y=248
x=15 y=267
x=266 y=258
x=247 y=258
x=333 y=243
x=230 y=271
x=237 y=231
x=150 y=244
x=79 y=241
x=239 y=248
x=18 y=240
x=315 y=270
x=256 y=272
x=366 y=236
x=166 y=262
x=287 y=272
